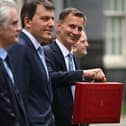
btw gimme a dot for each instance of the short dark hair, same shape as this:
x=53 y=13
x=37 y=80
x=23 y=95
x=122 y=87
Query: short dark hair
x=74 y=11
x=29 y=8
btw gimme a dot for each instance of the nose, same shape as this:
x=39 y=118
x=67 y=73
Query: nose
x=76 y=31
x=18 y=27
x=86 y=43
x=51 y=22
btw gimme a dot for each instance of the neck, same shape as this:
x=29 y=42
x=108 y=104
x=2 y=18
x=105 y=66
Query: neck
x=68 y=46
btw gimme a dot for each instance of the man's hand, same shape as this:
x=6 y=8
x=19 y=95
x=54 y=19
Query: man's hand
x=95 y=74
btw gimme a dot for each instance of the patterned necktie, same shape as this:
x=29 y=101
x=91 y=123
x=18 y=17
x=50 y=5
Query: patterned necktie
x=71 y=68
x=70 y=62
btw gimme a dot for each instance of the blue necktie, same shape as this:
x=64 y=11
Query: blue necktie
x=70 y=62
x=71 y=68
x=8 y=68
x=42 y=56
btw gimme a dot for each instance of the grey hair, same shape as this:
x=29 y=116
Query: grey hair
x=5 y=11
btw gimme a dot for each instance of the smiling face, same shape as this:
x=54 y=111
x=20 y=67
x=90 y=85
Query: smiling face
x=42 y=24
x=9 y=35
x=69 y=30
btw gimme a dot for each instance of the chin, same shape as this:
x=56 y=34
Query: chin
x=85 y=53
x=16 y=41
x=48 y=37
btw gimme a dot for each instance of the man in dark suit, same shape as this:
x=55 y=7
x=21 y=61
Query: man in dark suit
x=37 y=18
x=63 y=72
x=12 y=111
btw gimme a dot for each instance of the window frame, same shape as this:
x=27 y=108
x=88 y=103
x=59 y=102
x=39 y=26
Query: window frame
x=116 y=61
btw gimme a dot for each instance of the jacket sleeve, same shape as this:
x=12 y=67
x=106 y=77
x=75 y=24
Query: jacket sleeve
x=60 y=77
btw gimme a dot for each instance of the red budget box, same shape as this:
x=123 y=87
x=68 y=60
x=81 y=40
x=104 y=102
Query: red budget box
x=97 y=102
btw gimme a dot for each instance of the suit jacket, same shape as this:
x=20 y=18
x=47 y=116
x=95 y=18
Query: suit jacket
x=12 y=111
x=61 y=81
x=33 y=82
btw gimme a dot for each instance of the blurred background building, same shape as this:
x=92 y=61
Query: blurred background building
x=106 y=30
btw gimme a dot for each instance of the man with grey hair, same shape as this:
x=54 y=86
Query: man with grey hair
x=11 y=106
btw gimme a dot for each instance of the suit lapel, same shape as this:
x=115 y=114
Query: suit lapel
x=59 y=56
x=43 y=73
x=17 y=93
x=60 y=61
x=77 y=62
x=28 y=44
x=12 y=92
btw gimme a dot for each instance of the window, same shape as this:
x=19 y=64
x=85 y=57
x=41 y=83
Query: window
x=115 y=39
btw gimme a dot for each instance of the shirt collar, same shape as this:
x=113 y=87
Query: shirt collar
x=32 y=38
x=3 y=53
x=63 y=49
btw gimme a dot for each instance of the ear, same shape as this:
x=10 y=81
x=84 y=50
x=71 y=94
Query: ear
x=58 y=25
x=27 y=22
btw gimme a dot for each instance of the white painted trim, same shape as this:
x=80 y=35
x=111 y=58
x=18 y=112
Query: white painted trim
x=114 y=62
x=114 y=13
